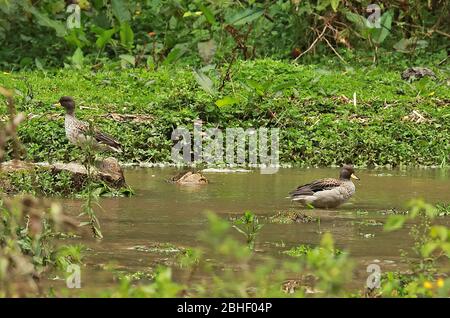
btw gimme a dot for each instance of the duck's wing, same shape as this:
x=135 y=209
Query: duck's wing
x=106 y=139
x=98 y=135
x=316 y=186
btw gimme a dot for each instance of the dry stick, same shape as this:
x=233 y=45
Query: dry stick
x=430 y=30
x=440 y=32
x=335 y=52
x=239 y=45
x=313 y=44
x=227 y=73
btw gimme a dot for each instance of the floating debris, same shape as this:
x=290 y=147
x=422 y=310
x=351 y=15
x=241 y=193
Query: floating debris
x=290 y=217
x=393 y=211
x=367 y=235
x=303 y=249
x=367 y=223
x=165 y=248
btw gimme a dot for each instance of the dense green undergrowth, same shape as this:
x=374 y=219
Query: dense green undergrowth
x=393 y=122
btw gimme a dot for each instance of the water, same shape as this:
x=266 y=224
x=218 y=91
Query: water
x=162 y=212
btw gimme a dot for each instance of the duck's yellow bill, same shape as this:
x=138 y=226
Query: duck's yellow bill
x=353 y=176
x=58 y=104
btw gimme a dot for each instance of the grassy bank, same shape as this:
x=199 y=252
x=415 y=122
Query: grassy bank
x=393 y=122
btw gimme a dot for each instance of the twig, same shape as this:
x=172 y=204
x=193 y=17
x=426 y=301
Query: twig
x=312 y=44
x=335 y=52
x=227 y=73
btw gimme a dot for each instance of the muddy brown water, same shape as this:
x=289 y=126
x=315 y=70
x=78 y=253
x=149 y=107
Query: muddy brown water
x=161 y=212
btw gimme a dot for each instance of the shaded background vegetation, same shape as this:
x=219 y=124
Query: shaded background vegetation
x=148 y=33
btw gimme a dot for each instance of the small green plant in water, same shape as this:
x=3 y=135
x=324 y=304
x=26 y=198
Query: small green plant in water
x=92 y=194
x=249 y=226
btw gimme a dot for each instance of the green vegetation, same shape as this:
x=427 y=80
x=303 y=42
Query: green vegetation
x=164 y=248
x=153 y=33
x=304 y=250
x=249 y=226
x=393 y=122
x=443 y=209
x=43 y=182
x=318 y=271
x=431 y=249
x=317 y=70
x=289 y=217
x=29 y=230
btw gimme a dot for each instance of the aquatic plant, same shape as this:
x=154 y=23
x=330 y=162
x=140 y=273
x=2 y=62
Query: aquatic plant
x=249 y=226
x=304 y=250
x=289 y=217
x=443 y=209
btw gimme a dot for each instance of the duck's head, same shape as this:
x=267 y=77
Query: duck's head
x=67 y=103
x=347 y=173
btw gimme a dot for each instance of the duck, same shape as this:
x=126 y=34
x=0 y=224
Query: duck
x=78 y=132
x=329 y=192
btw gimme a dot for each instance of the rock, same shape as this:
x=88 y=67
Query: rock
x=108 y=170
x=16 y=165
x=415 y=73
x=189 y=178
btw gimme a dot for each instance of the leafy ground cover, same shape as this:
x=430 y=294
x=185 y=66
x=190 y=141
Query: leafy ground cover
x=327 y=113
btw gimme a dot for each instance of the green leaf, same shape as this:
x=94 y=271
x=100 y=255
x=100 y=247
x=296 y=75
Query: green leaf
x=151 y=63
x=409 y=45
x=227 y=100
x=208 y=14
x=204 y=81
x=446 y=248
x=126 y=35
x=174 y=55
x=327 y=241
x=258 y=87
x=283 y=86
x=428 y=248
x=239 y=230
x=394 y=222
x=44 y=20
x=386 y=23
x=246 y=16
x=335 y=4
x=105 y=37
x=38 y=63
x=356 y=19
x=120 y=10
x=77 y=58
x=440 y=232
x=130 y=59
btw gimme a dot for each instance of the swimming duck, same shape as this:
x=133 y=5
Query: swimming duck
x=329 y=192
x=77 y=131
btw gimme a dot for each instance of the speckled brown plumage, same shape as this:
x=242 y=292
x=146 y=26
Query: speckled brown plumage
x=328 y=192
x=78 y=132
